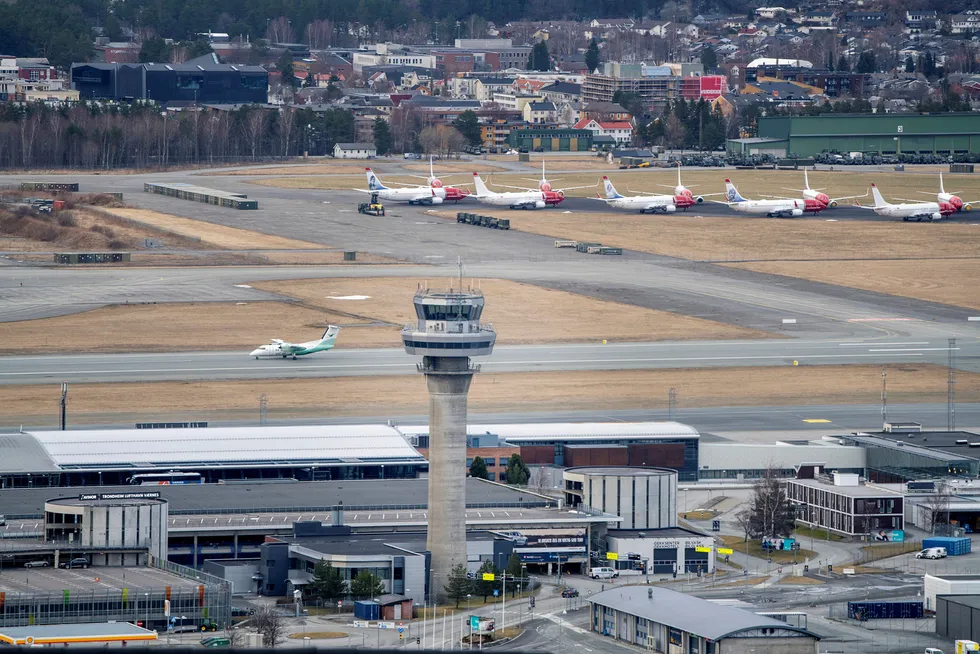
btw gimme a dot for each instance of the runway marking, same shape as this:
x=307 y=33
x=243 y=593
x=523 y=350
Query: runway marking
x=816 y=420
x=867 y=344
x=915 y=349
x=882 y=320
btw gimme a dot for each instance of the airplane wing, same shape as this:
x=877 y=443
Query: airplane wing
x=858 y=205
x=574 y=188
x=362 y=190
x=279 y=341
x=675 y=186
x=519 y=188
x=848 y=197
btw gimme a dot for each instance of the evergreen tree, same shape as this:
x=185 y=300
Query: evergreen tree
x=516 y=570
x=382 y=136
x=459 y=585
x=469 y=126
x=486 y=588
x=909 y=64
x=866 y=63
x=154 y=51
x=327 y=584
x=843 y=65
x=539 y=59
x=478 y=469
x=709 y=59
x=366 y=585
x=592 y=56
x=517 y=472
x=285 y=68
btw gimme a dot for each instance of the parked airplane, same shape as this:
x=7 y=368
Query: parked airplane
x=774 y=208
x=453 y=194
x=544 y=185
x=909 y=209
x=682 y=195
x=953 y=199
x=527 y=199
x=641 y=203
x=280 y=348
x=410 y=194
x=818 y=194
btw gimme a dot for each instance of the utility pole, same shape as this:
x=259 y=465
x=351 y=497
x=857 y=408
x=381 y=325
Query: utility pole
x=951 y=388
x=64 y=405
x=884 y=396
x=263 y=408
x=671 y=402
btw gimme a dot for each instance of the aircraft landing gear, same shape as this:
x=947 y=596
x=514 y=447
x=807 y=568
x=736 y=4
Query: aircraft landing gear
x=294 y=357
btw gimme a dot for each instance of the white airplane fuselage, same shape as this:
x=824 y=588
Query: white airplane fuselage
x=645 y=203
x=413 y=195
x=515 y=200
x=906 y=210
x=772 y=208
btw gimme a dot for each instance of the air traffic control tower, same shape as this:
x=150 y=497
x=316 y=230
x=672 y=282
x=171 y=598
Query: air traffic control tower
x=447 y=335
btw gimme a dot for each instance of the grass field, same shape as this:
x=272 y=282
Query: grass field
x=329 y=167
x=218 y=236
x=955 y=282
x=737 y=543
x=559 y=316
x=505 y=392
x=373 y=322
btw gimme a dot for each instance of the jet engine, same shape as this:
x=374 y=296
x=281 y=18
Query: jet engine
x=699 y=199
x=936 y=216
x=540 y=204
x=796 y=212
x=435 y=200
x=670 y=208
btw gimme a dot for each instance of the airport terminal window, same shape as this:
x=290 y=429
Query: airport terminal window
x=190 y=82
x=255 y=82
x=490 y=461
x=491 y=476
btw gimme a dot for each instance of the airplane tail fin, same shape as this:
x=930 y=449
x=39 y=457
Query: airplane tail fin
x=679 y=174
x=330 y=334
x=732 y=193
x=941 y=189
x=879 y=201
x=374 y=184
x=481 y=188
x=806 y=180
x=611 y=192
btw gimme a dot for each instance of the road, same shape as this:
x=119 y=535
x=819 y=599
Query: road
x=186 y=366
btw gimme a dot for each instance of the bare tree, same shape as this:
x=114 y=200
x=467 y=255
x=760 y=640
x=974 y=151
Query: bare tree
x=319 y=34
x=268 y=622
x=254 y=128
x=28 y=132
x=280 y=30
x=938 y=506
x=287 y=120
x=771 y=514
x=674 y=131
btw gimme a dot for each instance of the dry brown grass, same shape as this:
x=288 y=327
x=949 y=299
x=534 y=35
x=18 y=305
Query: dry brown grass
x=506 y=392
x=318 y=635
x=325 y=258
x=561 y=316
x=331 y=183
x=218 y=236
x=571 y=163
x=955 y=282
x=689 y=236
x=799 y=581
x=167 y=327
x=446 y=167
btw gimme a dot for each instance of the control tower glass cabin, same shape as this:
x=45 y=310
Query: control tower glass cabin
x=449 y=325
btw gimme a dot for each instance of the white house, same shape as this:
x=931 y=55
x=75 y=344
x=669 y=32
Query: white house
x=540 y=112
x=621 y=132
x=354 y=151
x=966 y=22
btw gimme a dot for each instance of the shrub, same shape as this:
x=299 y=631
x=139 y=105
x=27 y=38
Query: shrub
x=66 y=219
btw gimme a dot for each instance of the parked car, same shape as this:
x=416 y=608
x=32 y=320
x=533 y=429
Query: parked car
x=3 y=520
x=79 y=562
x=37 y=564
x=932 y=553
x=569 y=592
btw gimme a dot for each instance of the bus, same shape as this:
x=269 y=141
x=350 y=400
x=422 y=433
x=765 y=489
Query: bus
x=166 y=478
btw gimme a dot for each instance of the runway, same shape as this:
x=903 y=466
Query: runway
x=186 y=366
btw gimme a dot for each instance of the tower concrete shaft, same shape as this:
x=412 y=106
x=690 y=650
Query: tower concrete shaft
x=448 y=380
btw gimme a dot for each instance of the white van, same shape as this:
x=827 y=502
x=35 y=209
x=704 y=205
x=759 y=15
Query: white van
x=603 y=573
x=932 y=553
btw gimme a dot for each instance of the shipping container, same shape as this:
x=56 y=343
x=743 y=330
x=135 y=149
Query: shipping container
x=884 y=610
x=954 y=546
x=367 y=610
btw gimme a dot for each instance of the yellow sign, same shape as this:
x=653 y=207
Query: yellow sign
x=612 y=556
x=724 y=550
x=488 y=576
x=702 y=549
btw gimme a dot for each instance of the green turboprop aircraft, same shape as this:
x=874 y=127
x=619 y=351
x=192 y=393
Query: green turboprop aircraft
x=280 y=348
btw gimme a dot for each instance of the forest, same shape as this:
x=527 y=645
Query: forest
x=140 y=136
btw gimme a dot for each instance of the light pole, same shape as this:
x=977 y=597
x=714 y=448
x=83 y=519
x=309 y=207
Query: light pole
x=146 y=624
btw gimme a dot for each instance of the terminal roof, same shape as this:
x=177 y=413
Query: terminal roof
x=573 y=431
x=74 y=633
x=688 y=613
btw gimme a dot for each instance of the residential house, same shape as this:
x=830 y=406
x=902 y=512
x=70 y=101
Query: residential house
x=450 y=63
x=819 y=19
x=488 y=87
x=967 y=22
x=570 y=113
x=652 y=28
x=515 y=100
x=354 y=151
x=607 y=111
x=560 y=92
x=921 y=20
x=620 y=132
x=364 y=123
x=540 y=112
x=113 y=52
x=772 y=12
x=867 y=19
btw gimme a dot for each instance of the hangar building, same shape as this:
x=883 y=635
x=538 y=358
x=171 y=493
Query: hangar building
x=664 y=620
x=805 y=136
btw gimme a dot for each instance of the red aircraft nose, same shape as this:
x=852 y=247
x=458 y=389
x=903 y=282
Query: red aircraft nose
x=956 y=202
x=823 y=199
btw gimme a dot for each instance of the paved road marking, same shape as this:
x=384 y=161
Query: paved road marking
x=816 y=420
